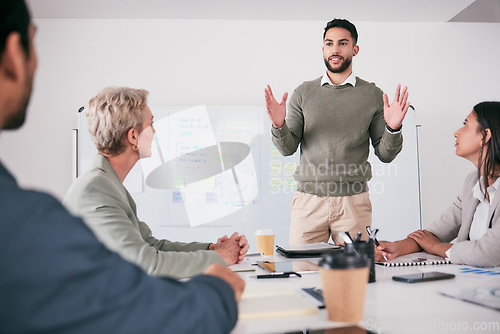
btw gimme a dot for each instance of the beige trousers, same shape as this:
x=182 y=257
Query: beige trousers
x=314 y=218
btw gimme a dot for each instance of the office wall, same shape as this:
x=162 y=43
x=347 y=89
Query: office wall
x=448 y=66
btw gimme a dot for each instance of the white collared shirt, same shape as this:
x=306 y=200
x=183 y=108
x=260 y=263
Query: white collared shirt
x=480 y=223
x=351 y=79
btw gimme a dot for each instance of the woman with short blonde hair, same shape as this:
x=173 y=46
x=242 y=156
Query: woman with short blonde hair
x=121 y=125
x=111 y=113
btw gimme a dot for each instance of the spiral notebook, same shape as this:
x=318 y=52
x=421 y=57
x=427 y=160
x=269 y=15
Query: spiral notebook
x=415 y=259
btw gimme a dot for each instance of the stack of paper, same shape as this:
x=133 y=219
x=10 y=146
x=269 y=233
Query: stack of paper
x=262 y=302
x=485 y=296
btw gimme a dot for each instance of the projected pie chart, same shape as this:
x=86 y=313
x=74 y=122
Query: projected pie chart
x=211 y=182
x=198 y=165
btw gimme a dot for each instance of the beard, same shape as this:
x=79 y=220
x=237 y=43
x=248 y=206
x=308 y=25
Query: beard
x=16 y=120
x=344 y=66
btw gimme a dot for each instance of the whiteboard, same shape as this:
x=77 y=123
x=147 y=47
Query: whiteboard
x=215 y=170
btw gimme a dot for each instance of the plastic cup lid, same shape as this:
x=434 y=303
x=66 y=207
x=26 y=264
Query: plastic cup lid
x=268 y=231
x=344 y=261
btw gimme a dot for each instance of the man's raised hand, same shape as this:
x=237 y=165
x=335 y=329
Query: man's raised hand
x=275 y=110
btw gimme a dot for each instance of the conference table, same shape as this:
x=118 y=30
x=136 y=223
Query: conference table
x=390 y=306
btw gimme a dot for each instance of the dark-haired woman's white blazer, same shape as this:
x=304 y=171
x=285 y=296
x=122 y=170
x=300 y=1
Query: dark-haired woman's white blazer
x=456 y=221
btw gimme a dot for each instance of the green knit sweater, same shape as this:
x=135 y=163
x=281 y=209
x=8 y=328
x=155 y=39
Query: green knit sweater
x=334 y=125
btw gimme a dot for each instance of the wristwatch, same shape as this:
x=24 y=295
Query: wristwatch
x=394 y=130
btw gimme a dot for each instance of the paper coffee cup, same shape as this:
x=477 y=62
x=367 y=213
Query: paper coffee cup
x=265 y=241
x=344 y=277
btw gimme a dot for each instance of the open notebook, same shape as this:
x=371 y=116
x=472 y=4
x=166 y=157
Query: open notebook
x=415 y=259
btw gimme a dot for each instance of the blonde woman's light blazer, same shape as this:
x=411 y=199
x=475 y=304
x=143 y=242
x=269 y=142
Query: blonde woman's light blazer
x=99 y=197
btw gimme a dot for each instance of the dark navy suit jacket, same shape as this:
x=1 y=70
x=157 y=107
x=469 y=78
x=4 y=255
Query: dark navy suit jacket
x=56 y=277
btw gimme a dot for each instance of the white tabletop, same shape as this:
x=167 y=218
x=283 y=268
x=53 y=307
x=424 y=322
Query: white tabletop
x=390 y=306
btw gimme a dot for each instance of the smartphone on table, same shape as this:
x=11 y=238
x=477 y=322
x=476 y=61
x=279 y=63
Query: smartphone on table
x=422 y=277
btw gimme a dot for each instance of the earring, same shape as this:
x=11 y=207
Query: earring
x=135 y=147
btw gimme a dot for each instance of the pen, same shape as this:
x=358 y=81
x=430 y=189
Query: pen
x=279 y=275
x=369 y=230
x=373 y=236
x=346 y=237
x=358 y=237
x=253 y=254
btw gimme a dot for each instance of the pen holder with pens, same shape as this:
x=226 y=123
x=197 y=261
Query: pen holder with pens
x=365 y=248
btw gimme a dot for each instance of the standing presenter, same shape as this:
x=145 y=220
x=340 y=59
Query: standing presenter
x=333 y=118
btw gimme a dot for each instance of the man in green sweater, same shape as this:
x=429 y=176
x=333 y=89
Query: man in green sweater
x=333 y=119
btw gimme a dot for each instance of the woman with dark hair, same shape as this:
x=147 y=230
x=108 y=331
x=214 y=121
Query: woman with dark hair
x=472 y=218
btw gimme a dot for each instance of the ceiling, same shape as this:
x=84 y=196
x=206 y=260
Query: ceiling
x=354 y=10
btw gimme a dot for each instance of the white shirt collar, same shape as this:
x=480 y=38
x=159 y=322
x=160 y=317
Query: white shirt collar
x=350 y=80
x=477 y=193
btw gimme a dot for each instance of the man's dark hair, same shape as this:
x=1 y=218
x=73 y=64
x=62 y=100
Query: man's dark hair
x=14 y=17
x=342 y=23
